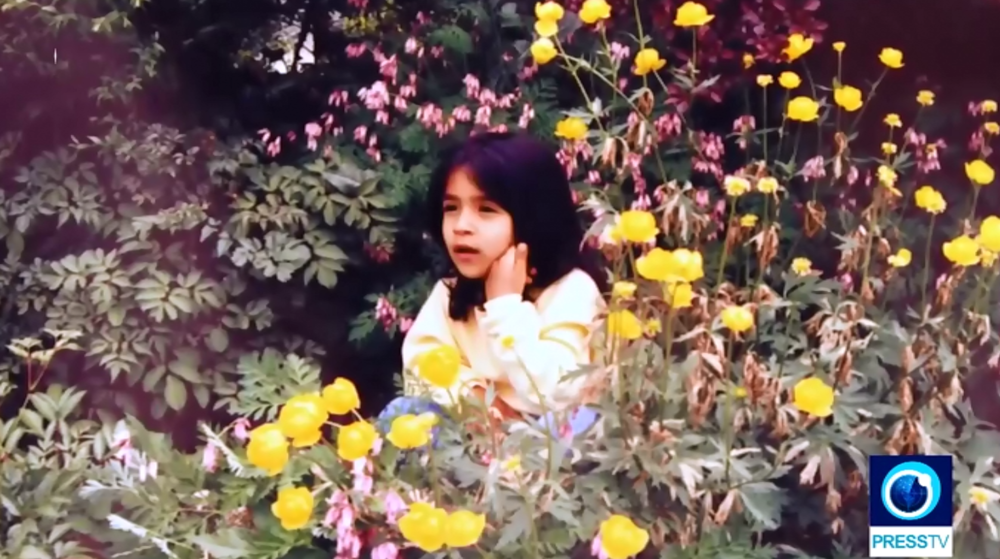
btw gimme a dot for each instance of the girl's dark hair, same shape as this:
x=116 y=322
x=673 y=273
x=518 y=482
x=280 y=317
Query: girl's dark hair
x=523 y=176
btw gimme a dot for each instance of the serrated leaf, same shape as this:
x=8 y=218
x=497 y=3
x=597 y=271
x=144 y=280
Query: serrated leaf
x=175 y=393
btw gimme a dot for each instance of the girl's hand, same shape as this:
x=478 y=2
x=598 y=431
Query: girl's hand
x=509 y=274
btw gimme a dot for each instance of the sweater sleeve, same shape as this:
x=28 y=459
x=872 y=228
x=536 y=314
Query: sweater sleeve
x=431 y=329
x=540 y=343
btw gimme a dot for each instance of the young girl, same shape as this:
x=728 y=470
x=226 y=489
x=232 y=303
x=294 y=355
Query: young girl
x=526 y=294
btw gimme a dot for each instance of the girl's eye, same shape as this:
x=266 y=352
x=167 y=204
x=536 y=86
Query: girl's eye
x=449 y=208
x=488 y=209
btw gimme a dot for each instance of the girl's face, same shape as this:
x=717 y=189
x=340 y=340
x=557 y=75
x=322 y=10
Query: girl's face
x=476 y=231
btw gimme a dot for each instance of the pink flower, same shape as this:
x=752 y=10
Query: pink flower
x=394 y=505
x=240 y=429
x=363 y=481
x=595 y=548
x=387 y=550
x=210 y=458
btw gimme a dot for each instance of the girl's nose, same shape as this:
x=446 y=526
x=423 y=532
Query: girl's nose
x=464 y=223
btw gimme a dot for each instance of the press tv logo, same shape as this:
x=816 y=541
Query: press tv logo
x=910 y=506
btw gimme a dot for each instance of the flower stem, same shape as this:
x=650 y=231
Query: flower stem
x=927 y=266
x=725 y=248
x=727 y=420
x=435 y=480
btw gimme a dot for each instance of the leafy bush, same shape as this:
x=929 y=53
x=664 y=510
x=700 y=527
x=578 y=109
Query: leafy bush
x=743 y=387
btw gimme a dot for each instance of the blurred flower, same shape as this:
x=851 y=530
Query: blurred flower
x=748 y=60
x=293 y=508
x=623 y=290
x=543 y=50
x=571 y=128
x=652 y=327
x=549 y=11
x=546 y=28
x=511 y=464
x=789 y=80
x=889 y=148
x=681 y=265
x=979 y=172
x=424 y=526
x=748 y=220
x=839 y=46
x=638 y=226
x=981 y=497
x=412 y=431
x=767 y=185
x=692 y=14
x=679 y=295
x=893 y=120
x=802 y=266
x=813 y=396
x=925 y=97
x=624 y=324
x=268 y=448
x=356 y=440
x=341 y=397
x=929 y=200
x=892 y=58
x=648 y=60
x=463 y=528
x=798 y=45
x=737 y=318
x=991 y=128
x=593 y=11
x=803 y=109
x=989 y=233
x=901 y=259
x=735 y=186
x=621 y=538
x=962 y=251
x=988 y=106
x=440 y=365
x=301 y=419
x=765 y=80
x=848 y=97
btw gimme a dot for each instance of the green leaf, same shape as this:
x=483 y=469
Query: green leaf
x=452 y=37
x=223 y=544
x=175 y=393
x=218 y=340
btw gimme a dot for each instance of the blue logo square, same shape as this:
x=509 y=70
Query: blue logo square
x=910 y=491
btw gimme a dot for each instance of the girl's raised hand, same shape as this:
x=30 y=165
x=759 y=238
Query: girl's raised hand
x=509 y=274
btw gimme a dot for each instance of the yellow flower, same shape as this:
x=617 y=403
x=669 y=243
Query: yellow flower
x=802 y=266
x=962 y=251
x=989 y=233
x=839 y=46
x=925 y=97
x=679 y=295
x=748 y=60
x=463 y=528
x=439 y=366
x=648 y=60
x=293 y=508
x=737 y=318
x=549 y=11
x=991 y=128
x=546 y=28
x=638 y=226
x=988 y=258
x=803 y=109
x=848 y=97
x=740 y=392
x=424 y=526
x=735 y=186
x=543 y=50
x=765 y=80
x=929 y=200
x=988 y=106
x=748 y=220
x=652 y=327
x=356 y=440
x=571 y=128
x=621 y=538
x=624 y=324
x=623 y=290
x=692 y=14
x=511 y=464
x=681 y=265
x=901 y=259
x=789 y=80
x=767 y=185
x=268 y=448
x=981 y=496
x=411 y=431
x=813 y=396
x=301 y=419
x=593 y=11
x=341 y=397
x=797 y=46
x=979 y=172
x=889 y=148
x=887 y=176
x=893 y=120
x=892 y=58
